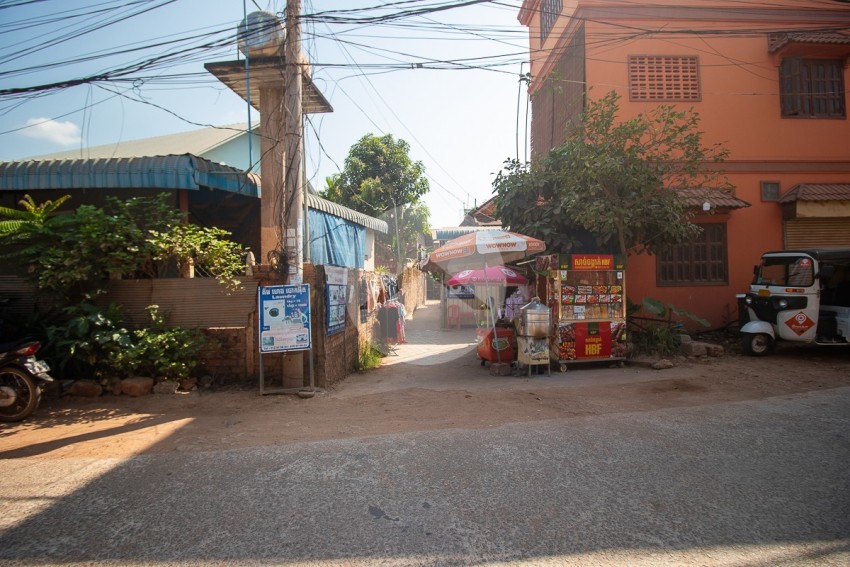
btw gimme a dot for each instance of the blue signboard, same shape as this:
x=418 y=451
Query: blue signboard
x=284 y=317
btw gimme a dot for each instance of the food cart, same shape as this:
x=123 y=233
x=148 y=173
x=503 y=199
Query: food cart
x=587 y=296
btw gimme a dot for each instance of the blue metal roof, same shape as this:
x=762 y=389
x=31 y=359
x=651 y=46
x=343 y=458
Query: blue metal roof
x=156 y=172
x=337 y=210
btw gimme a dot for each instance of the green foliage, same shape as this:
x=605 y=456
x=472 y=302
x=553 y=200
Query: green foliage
x=160 y=351
x=657 y=308
x=368 y=356
x=32 y=217
x=660 y=333
x=206 y=248
x=86 y=341
x=655 y=338
x=379 y=179
x=72 y=255
x=613 y=185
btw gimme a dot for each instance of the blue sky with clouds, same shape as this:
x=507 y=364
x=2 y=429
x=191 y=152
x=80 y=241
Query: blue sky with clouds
x=461 y=120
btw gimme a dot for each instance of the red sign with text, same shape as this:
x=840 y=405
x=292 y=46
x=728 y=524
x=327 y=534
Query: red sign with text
x=593 y=340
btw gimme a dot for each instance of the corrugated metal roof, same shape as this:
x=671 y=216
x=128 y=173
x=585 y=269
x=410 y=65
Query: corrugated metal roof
x=156 y=172
x=716 y=197
x=195 y=142
x=337 y=210
x=817 y=192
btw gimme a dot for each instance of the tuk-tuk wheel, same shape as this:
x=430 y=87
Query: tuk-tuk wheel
x=756 y=344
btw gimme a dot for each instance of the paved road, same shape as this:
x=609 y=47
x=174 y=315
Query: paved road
x=751 y=483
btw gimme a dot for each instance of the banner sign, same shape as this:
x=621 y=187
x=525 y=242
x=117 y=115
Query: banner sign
x=284 y=317
x=336 y=298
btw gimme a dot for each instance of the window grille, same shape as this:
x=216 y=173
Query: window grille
x=663 y=78
x=549 y=12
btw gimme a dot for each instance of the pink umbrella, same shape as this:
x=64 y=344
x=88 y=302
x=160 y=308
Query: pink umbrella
x=493 y=274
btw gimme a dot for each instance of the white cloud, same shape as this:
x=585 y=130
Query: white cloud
x=63 y=133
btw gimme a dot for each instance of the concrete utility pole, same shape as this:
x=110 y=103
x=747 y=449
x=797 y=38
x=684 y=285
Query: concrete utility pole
x=293 y=143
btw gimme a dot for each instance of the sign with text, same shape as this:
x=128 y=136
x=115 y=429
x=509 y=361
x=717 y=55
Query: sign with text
x=336 y=298
x=284 y=317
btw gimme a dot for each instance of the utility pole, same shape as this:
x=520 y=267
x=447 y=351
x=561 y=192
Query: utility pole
x=293 y=143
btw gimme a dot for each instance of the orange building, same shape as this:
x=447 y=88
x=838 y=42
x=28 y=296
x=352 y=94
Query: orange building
x=769 y=82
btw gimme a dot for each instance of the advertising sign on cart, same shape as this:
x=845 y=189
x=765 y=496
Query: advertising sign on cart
x=587 y=295
x=284 y=318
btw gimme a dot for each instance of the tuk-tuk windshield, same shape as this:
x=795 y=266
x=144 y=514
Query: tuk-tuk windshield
x=785 y=270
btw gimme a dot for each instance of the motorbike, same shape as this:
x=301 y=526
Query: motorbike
x=22 y=378
x=800 y=296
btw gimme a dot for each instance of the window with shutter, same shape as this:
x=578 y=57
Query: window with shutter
x=812 y=88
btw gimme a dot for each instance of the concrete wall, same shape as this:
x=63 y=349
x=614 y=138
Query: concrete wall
x=229 y=320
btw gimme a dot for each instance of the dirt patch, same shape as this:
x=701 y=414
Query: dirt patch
x=404 y=398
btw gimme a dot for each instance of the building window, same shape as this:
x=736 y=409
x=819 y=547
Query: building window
x=549 y=12
x=662 y=78
x=812 y=88
x=770 y=190
x=702 y=261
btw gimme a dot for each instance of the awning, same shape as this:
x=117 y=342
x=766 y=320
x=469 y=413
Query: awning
x=157 y=172
x=715 y=197
x=817 y=192
x=781 y=40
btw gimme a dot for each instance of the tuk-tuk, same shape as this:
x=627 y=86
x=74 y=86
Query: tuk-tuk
x=797 y=296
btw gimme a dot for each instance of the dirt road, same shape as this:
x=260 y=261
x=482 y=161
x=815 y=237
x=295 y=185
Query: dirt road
x=405 y=396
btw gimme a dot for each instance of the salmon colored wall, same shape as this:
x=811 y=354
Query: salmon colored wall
x=739 y=108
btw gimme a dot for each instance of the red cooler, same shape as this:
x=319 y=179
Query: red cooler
x=502 y=349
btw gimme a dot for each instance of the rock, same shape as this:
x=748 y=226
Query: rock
x=188 y=384
x=693 y=348
x=206 y=381
x=137 y=386
x=85 y=389
x=685 y=339
x=165 y=387
x=662 y=364
x=714 y=350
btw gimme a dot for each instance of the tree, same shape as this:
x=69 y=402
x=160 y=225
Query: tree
x=379 y=179
x=613 y=185
x=73 y=254
x=32 y=217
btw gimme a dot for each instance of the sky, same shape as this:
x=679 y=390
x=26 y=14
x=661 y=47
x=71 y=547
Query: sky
x=447 y=82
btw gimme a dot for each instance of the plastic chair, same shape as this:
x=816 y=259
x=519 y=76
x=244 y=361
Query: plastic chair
x=453 y=319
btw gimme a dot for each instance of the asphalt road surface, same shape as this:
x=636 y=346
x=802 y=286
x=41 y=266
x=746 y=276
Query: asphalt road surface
x=750 y=483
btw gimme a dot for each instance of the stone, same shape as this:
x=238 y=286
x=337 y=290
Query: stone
x=137 y=386
x=693 y=349
x=662 y=364
x=206 y=381
x=188 y=384
x=714 y=350
x=86 y=389
x=685 y=339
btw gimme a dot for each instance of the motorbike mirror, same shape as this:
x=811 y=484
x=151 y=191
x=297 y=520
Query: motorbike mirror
x=826 y=272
